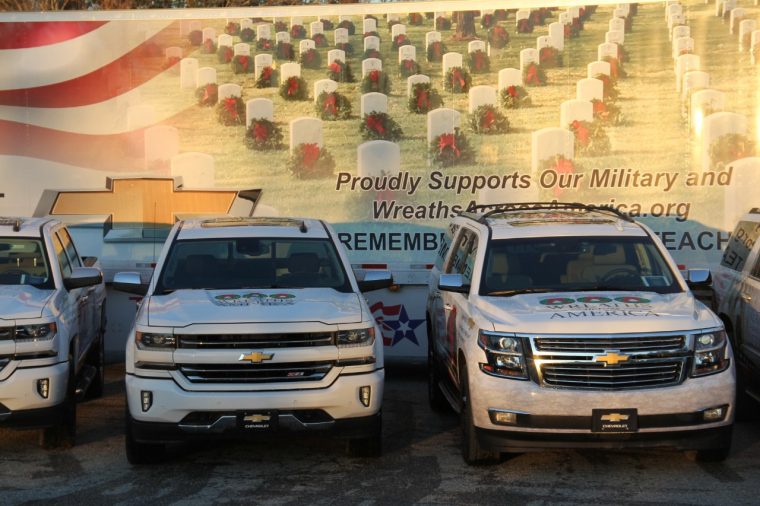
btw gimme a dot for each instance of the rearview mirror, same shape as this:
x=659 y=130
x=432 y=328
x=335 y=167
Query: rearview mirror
x=83 y=276
x=453 y=283
x=129 y=282
x=375 y=280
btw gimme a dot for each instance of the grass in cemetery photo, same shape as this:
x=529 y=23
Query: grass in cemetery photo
x=652 y=136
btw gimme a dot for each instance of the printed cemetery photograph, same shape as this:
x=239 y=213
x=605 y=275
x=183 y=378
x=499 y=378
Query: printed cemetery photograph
x=400 y=120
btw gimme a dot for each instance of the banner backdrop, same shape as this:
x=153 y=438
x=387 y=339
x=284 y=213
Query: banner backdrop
x=386 y=125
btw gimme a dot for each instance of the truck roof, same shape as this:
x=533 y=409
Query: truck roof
x=209 y=228
x=22 y=226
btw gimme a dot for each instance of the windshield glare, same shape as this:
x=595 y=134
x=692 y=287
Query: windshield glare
x=233 y=263
x=576 y=263
x=23 y=262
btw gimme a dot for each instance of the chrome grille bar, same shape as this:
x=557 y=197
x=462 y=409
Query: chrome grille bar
x=255 y=373
x=600 y=344
x=254 y=341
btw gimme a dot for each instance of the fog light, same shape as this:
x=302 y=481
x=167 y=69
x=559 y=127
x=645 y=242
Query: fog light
x=43 y=387
x=500 y=417
x=146 y=398
x=365 y=394
x=714 y=414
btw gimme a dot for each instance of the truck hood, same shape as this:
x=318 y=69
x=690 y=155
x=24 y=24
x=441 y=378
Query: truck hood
x=185 y=307
x=596 y=312
x=22 y=301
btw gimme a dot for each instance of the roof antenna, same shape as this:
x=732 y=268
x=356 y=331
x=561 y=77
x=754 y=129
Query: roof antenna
x=17 y=225
x=302 y=227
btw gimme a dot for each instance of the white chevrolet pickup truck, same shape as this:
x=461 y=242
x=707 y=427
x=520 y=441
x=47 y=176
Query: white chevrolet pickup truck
x=566 y=325
x=52 y=319
x=252 y=327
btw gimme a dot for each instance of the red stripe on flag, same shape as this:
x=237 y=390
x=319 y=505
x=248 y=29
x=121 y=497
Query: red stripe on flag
x=120 y=76
x=28 y=34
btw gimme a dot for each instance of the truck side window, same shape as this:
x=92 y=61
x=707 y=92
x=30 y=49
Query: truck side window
x=740 y=244
x=463 y=260
x=68 y=245
x=756 y=269
x=60 y=254
x=443 y=249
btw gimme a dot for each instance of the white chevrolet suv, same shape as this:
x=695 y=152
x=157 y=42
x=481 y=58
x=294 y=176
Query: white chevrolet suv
x=252 y=326
x=566 y=325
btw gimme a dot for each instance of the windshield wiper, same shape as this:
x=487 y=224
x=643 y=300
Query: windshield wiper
x=520 y=291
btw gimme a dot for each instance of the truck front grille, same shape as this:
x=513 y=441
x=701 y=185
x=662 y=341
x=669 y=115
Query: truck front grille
x=256 y=373
x=255 y=341
x=609 y=362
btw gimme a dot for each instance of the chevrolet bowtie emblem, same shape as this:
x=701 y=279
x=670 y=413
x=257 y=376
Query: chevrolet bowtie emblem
x=611 y=358
x=615 y=417
x=256 y=418
x=256 y=357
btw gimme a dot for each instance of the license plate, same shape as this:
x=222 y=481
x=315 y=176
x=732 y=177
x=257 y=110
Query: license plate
x=258 y=420
x=614 y=420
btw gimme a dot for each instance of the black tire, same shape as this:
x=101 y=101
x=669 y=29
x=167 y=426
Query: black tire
x=63 y=434
x=138 y=453
x=472 y=452
x=370 y=446
x=436 y=399
x=96 y=358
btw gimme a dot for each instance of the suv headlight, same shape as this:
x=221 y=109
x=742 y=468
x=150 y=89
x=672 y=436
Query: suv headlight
x=155 y=341
x=709 y=353
x=504 y=353
x=355 y=337
x=38 y=332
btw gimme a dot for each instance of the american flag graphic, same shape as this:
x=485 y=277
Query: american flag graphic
x=395 y=323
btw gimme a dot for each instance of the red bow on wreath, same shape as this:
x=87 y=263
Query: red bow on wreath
x=531 y=75
x=335 y=68
x=488 y=119
x=207 y=91
x=581 y=132
x=292 y=86
x=512 y=91
x=423 y=100
x=310 y=154
x=330 y=104
x=374 y=76
x=208 y=45
x=227 y=54
x=260 y=132
x=479 y=59
x=266 y=73
x=448 y=141
x=599 y=108
x=409 y=65
x=456 y=76
x=376 y=124
x=230 y=105
x=243 y=62
x=564 y=166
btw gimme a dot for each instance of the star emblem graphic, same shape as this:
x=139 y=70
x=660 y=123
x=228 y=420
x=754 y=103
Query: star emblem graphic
x=403 y=328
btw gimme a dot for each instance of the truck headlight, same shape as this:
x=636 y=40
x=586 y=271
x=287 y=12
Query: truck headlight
x=39 y=332
x=504 y=355
x=355 y=337
x=158 y=341
x=709 y=353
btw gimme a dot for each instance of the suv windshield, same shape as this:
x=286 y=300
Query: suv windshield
x=23 y=262
x=233 y=263
x=550 y=264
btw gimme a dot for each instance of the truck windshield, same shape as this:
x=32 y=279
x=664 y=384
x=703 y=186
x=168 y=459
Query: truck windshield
x=233 y=263
x=560 y=264
x=23 y=262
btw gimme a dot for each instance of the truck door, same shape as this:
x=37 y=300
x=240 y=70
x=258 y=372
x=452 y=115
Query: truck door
x=88 y=325
x=456 y=305
x=74 y=307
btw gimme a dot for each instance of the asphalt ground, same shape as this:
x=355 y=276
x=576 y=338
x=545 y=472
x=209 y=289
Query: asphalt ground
x=421 y=464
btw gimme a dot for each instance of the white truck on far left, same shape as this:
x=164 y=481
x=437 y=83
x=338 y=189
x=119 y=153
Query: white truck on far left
x=52 y=317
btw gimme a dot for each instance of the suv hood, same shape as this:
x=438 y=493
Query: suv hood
x=186 y=307
x=22 y=301
x=596 y=312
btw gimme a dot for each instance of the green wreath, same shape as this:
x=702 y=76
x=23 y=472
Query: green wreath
x=230 y=111
x=424 y=98
x=333 y=106
x=376 y=80
x=309 y=161
x=450 y=149
x=263 y=135
x=457 y=80
x=294 y=88
x=487 y=119
x=379 y=126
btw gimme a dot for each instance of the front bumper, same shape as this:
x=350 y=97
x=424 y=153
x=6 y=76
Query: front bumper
x=176 y=413
x=18 y=391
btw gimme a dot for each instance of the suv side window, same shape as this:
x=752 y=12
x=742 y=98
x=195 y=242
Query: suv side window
x=445 y=246
x=739 y=246
x=756 y=269
x=68 y=245
x=463 y=260
x=60 y=254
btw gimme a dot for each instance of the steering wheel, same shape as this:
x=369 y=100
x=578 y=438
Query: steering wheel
x=619 y=273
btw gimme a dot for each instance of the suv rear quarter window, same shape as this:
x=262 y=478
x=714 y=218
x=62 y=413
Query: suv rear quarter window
x=740 y=245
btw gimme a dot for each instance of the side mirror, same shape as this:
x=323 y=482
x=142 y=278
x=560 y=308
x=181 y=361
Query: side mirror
x=83 y=276
x=129 y=282
x=375 y=280
x=698 y=279
x=453 y=283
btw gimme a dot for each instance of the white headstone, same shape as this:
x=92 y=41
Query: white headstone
x=305 y=130
x=692 y=81
x=336 y=54
x=378 y=158
x=173 y=52
x=704 y=103
x=283 y=37
x=263 y=32
x=550 y=142
x=262 y=61
x=407 y=52
x=224 y=40
x=557 y=34
x=296 y=21
x=369 y=25
x=242 y=48
x=188 y=73
x=228 y=90
x=755 y=40
x=575 y=110
x=685 y=63
x=589 y=89
x=161 y=144
x=717 y=125
x=476 y=45
x=316 y=27
x=370 y=64
x=724 y=6
x=527 y=56
x=595 y=68
x=442 y=121
x=522 y=14
x=510 y=77
x=374 y=102
x=345 y=17
x=682 y=45
x=543 y=41
x=625 y=10
x=451 y=60
x=672 y=10
x=737 y=200
x=195 y=169
x=680 y=31
x=305 y=45
x=608 y=49
x=205 y=75
x=209 y=34
x=619 y=13
x=431 y=37
x=246 y=23
x=288 y=70
x=340 y=35
x=564 y=19
x=574 y=11
x=392 y=17
x=746 y=27
x=259 y=108
x=415 y=79
x=371 y=42
x=481 y=95
x=616 y=36
x=397 y=30
x=675 y=20
x=324 y=85
x=736 y=16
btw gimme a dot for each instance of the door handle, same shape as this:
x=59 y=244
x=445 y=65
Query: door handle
x=448 y=307
x=746 y=297
x=83 y=298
